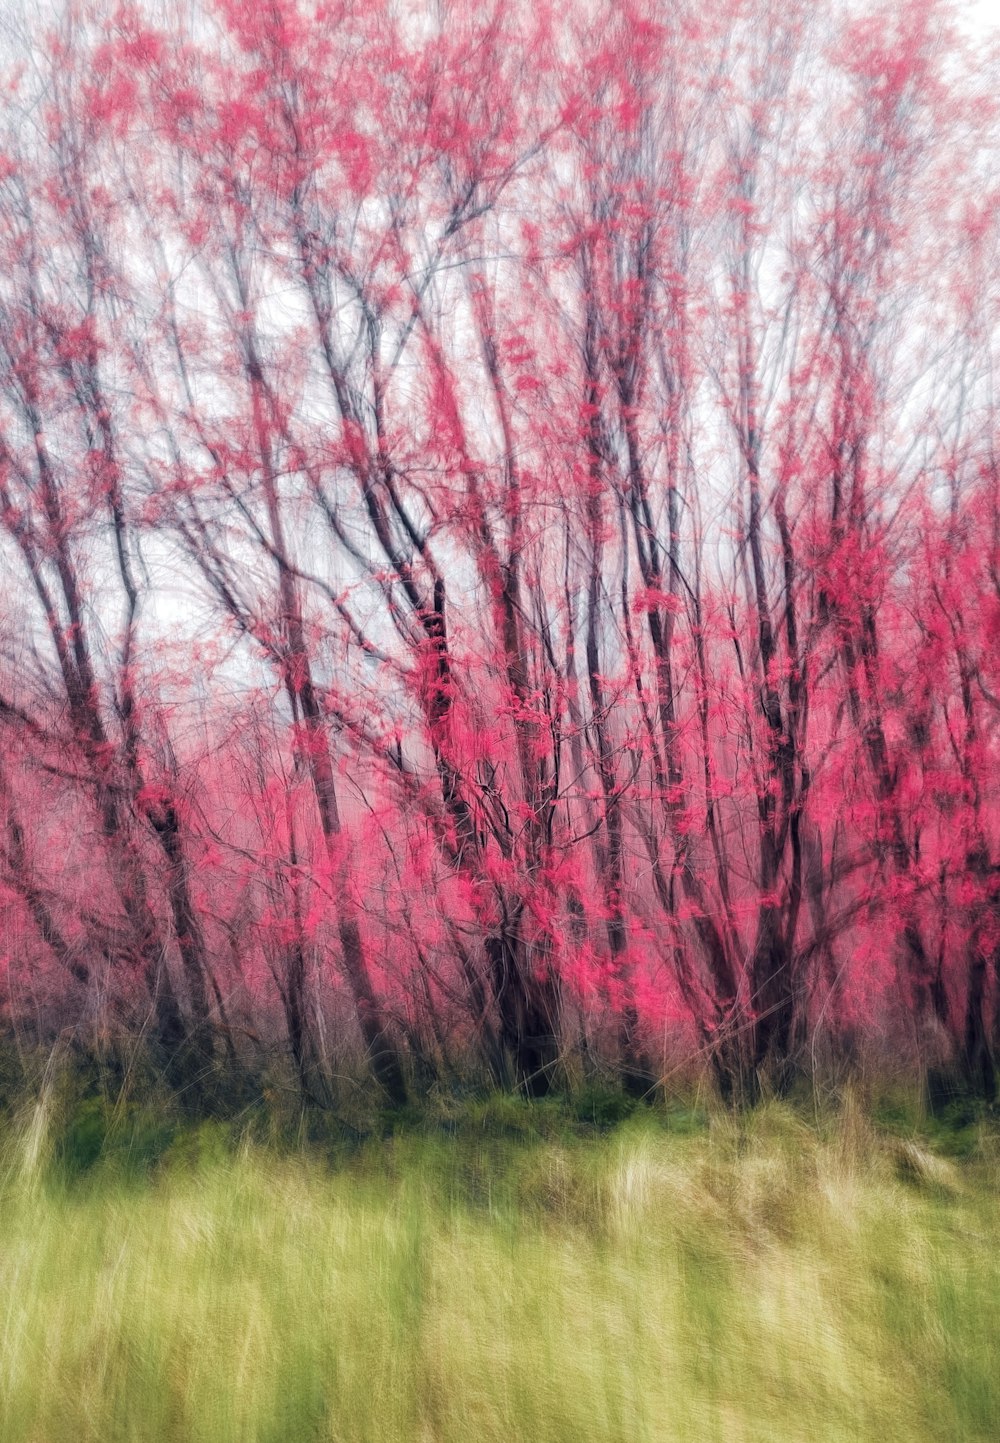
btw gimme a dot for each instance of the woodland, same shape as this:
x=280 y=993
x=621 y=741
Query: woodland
x=500 y=545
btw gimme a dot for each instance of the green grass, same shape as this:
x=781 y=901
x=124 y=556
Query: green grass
x=514 y=1278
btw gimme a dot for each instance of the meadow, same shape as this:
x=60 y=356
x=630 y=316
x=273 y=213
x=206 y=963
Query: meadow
x=508 y=1273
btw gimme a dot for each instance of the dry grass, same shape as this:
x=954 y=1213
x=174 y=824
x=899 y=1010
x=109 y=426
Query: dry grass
x=752 y=1282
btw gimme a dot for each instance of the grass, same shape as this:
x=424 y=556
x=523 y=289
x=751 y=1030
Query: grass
x=512 y=1277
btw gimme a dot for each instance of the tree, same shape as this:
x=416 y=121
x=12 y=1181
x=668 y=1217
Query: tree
x=560 y=516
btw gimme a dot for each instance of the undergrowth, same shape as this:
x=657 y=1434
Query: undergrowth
x=490 y=1269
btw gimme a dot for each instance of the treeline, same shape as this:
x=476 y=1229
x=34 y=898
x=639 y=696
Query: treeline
x=501 y=537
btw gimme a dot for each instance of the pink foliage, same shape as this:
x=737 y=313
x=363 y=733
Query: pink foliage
x=503 y=533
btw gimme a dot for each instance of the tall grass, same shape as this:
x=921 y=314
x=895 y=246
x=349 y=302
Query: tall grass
x=671 y=1279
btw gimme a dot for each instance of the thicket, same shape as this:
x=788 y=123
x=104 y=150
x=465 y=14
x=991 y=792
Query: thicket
x=500 y=525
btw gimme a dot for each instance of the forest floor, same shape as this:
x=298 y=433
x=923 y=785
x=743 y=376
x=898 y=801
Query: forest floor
x=504 y=1278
